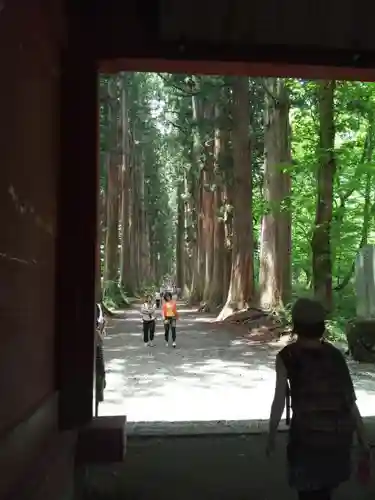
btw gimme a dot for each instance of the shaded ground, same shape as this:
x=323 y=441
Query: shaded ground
x=202 y=468
x=215 y=374
x=216 y=381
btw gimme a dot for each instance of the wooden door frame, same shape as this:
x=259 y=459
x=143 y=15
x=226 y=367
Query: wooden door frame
x=238 y=68
x=75 y=349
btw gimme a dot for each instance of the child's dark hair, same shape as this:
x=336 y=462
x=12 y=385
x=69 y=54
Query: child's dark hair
x=308 y=330
x=308 y=317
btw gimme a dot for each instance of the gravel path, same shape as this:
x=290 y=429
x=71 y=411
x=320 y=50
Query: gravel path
x=214 y=375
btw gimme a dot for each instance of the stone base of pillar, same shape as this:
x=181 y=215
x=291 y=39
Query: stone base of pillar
x=360 y=334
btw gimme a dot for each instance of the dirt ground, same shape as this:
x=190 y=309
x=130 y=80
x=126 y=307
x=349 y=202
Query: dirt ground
x=217 y=380
x=217 y=372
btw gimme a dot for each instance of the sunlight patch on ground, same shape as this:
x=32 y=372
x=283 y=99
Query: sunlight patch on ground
x=204 y=319
x=213 y=390
x=213 y=375
x=366 y=403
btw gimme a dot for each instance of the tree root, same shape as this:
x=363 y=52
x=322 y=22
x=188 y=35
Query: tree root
x=258 y=321
x=361 y=340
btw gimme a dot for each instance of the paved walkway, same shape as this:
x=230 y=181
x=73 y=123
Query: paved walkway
x=213 y=375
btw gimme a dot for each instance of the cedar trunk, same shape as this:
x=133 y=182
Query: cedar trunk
x=321 y=241
x=275 y=244
x=125 y=270
x=241 y=289
x=180 y=243
x=112 y=199
x=217 y=291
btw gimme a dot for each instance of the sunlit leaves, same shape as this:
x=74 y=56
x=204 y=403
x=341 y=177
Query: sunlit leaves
x=354 y=110
x=169 y=141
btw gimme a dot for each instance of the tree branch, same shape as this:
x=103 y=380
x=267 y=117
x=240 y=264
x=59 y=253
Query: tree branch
x=176 y=126
x=183 y=92
x=368 y=209
x=349 y=192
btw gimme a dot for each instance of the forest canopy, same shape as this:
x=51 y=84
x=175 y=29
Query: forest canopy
x=245 y=190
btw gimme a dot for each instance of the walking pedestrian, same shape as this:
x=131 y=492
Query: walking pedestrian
x=148 y=321
x=170 y=316
x=312 y=376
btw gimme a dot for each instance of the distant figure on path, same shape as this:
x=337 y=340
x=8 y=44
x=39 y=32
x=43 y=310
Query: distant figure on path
x=100 y=320
x=157 y=299
x=100 y=381
x=148 y=310
x=170 y=316
x=312 y=376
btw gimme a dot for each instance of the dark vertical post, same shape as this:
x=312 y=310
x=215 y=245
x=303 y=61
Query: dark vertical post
x=77 y=223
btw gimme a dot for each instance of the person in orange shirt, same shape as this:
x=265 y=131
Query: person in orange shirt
x=170 y=316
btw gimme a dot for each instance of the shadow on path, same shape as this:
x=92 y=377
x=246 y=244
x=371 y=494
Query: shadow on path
x=202 y=468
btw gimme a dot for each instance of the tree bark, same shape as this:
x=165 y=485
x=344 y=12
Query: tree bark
x=125 y=271
x=190 y=218
x=208 y=198
x=144 y=250
x=226 y=167
x=112 y=236
x=241 y=289
x=275 y=244
x=180 y=237
x=321 y=240
x=216 y=296
x=134 y=217
x=197 y=286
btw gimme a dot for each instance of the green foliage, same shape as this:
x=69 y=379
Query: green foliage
x=159 y=181
x=165 y=131
x=347 y=224
x=114 y=297
x=354 y=114
x=151 y=158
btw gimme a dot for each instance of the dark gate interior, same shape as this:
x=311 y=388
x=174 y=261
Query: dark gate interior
x=50 y=54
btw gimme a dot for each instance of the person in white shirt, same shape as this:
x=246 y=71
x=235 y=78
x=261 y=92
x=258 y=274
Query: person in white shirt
x=148 y=310
x=100 y=321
